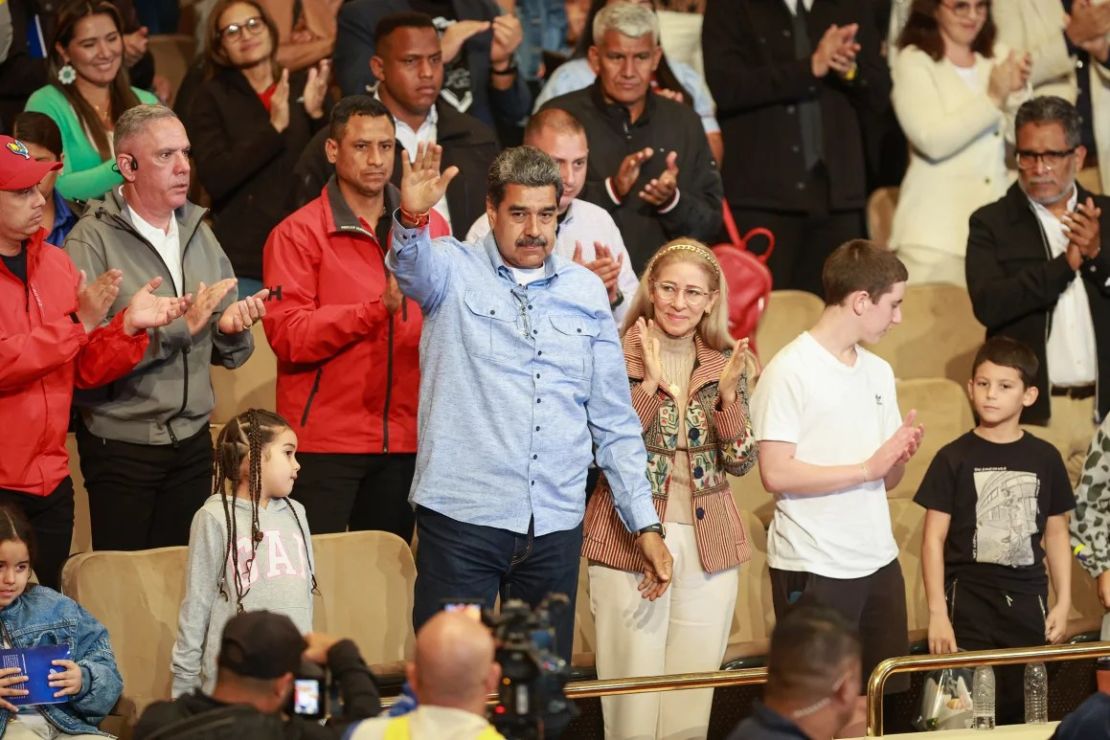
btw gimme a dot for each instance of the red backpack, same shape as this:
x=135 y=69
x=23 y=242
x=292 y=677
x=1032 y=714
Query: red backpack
x=747 y=277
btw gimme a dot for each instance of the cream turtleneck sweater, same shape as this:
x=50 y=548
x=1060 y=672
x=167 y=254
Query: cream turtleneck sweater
x=677 y=355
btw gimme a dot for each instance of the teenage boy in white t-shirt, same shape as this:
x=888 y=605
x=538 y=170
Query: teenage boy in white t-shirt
x=831 y=442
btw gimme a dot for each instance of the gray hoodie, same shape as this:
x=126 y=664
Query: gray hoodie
x=280 y=580
x=168 y=396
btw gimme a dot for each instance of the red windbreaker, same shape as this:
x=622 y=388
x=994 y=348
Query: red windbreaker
x=43 y=352
x=348 y=370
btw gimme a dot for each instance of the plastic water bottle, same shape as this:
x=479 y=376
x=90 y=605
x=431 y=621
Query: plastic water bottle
x=982 y=698
x=1036 y=694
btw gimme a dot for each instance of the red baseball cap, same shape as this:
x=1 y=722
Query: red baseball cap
x=18 y=169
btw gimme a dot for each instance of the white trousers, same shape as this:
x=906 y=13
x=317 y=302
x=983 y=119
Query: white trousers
x=684 y=631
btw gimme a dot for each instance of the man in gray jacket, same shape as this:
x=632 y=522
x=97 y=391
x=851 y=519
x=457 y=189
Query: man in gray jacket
x=146 y=453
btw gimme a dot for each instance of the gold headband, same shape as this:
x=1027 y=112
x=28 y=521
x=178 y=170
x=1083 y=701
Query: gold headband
x=702 y=252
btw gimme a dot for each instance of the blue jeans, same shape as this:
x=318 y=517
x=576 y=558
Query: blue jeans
x=455 y=560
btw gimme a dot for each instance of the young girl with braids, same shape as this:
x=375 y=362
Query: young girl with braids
x=689 y=384
x=249 y=546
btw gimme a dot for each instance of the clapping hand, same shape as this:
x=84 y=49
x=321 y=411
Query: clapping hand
x=279 y=103
x=1084 y=233
x=653 y=361
x=730 y=376
x=507 y=35
x=242 y=314
x=316 y=88
x=134 y=46
x=457 y=34
x=836 y=50
x=422 y=184
x=603 y=265
x=897 y=450
x=147 y=311
x=660 y=190
x=96 y=298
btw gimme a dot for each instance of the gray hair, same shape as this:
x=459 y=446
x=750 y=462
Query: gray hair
x=135 y=120
x=628 y=19
x=526 y=166
x=1051 y=109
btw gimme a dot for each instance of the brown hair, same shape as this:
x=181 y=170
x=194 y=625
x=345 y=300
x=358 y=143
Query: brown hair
x=215 y=57
x=713 y=326
x=243 y=439
x=14 y=527
x=861 y=265
x=810 y=648
x=121 y=97
x=1007 y=352
x=923 y=31
x=32 y=127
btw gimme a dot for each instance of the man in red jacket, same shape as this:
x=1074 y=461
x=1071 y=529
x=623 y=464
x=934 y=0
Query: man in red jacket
x=50 y=339
x=346 y=340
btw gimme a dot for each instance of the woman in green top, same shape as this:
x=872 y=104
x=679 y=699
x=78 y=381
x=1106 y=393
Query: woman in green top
x=88 y=90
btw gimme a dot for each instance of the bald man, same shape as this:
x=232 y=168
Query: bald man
x=452 y=673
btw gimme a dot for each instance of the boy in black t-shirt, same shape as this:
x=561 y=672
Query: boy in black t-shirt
x=991 y=496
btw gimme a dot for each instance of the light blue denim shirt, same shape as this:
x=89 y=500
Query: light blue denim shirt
x=516 y=386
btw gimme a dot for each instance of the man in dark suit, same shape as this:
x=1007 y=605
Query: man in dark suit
x=478 y=51
x=409 y=64
x=1036 y=273
x=795 y=83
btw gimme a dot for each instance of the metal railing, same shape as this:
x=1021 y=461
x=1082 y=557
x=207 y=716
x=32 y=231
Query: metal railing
x=1003 y=656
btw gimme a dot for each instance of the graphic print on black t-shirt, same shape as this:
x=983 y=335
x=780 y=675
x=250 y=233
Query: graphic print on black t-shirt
x=1005 y=516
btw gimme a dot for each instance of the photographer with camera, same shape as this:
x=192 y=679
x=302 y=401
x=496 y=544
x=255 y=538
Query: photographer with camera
x=270 y=685
x=452 y=672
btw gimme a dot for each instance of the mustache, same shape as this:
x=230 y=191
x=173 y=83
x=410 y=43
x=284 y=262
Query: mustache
x=532 y=241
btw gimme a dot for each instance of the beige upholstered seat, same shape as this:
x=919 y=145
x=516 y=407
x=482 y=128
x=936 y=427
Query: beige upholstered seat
x=754 y=616
x=788 y=314
x=942 y=406
x=938 y=337
x=750 y=495
x=254 y=385
x=907 y=519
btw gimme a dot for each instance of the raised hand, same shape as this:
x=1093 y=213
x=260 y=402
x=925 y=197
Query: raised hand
x=653 y=361
x=629 y=171
x=603 y=265
x=1088 y=21
x=457 y=34
x=1083 y=229
x=242 y=314
x=507 y=35
x=208 y=297
x=660 y=190
x=146 y=310
x=898 y=449
x=657 y=568
x=134 y=46
x=837 y=50
x=422 y=185
x=96 y=298
x=316 y=88
x=730 y=376
x=279 y=103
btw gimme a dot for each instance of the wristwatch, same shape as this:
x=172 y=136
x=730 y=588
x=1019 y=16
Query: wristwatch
x=657 y=528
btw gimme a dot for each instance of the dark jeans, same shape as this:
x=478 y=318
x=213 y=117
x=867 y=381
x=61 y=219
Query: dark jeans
x=143 y=496
x=341 y=491
x=875 y=605
x=986 y=617
x=455 y=560
x=51 y=518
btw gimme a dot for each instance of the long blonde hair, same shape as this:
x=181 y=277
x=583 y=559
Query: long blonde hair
x=713 y=327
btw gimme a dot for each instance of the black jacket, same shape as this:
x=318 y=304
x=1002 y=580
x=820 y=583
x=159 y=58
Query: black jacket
x=244 y=163
x=756 y=81
x=354 y=45
x=1014 y=285
x=664 y=126
x=467 y=143
x=356 y=686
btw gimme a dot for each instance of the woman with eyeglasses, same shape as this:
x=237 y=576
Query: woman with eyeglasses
x=955 y=94
x=248 y=122
x=690 y=389
x=88 y=90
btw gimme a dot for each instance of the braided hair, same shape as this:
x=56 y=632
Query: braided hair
x=243 y=439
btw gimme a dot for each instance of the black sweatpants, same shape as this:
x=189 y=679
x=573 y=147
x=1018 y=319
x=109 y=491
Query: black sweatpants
x=875 y=605
x=143 y=496
x=51 y=518
x=986 y=617
x=359 y=492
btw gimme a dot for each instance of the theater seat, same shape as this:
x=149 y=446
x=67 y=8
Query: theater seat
x=136 y=595
x=1086 y=609
x=754 y=616
x=938 y=337
x=254 y=385
x=365 y=581
x=788 y=314
x=880 y=214
x=82 y=530
x=907 y=519
x=750 y=495
x=585 y=633
x=943 y=408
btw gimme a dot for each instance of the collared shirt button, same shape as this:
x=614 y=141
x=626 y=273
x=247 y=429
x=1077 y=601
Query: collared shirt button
x=535 y=457
x=533 y=483
x=535 y=331
x=529 y=306
x=537 y=376
x=579 y=330
x=537 y=429
x=492 y=312
x=539 y=400
x=539 y=352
